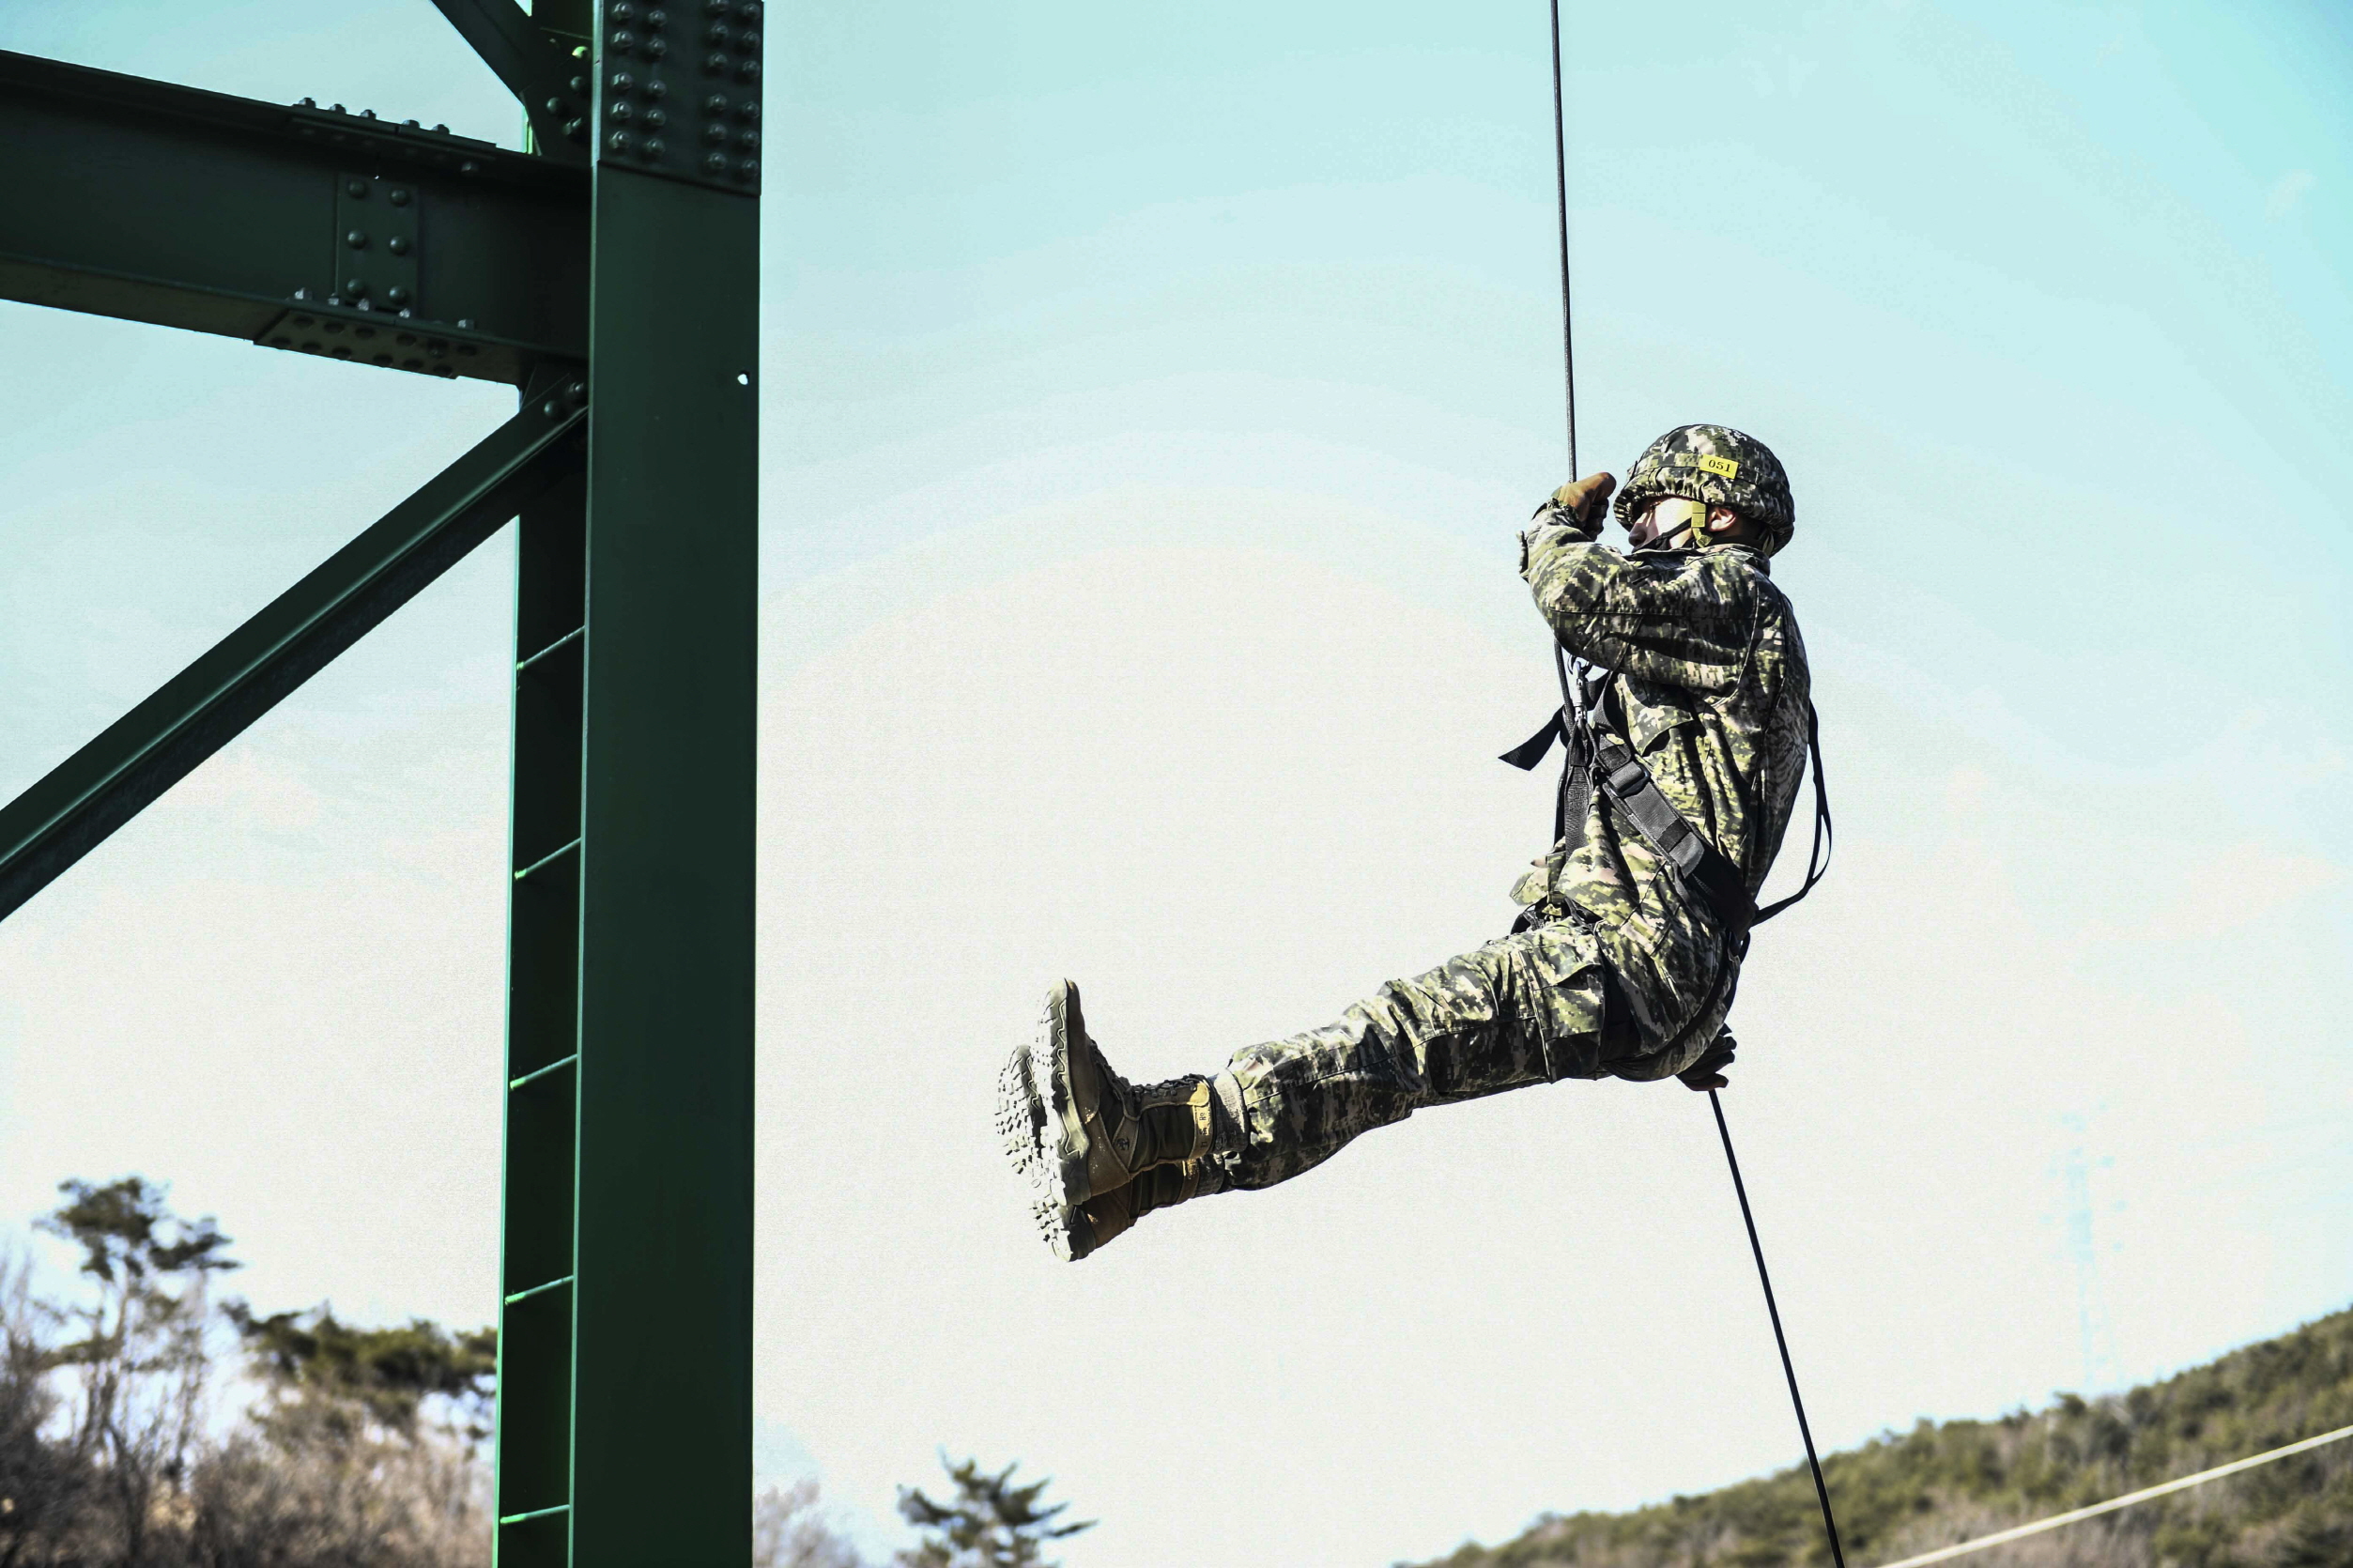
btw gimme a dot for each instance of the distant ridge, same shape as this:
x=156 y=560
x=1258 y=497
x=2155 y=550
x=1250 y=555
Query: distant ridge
x=1947 y=1482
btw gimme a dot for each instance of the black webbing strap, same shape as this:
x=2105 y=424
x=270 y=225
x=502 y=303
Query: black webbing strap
x=1817 y=858
x=1700 y=864
x=1598 y=757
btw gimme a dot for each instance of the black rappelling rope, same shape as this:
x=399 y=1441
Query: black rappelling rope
x=1568 y=365
x=1829 y=1525
x=1560 y=181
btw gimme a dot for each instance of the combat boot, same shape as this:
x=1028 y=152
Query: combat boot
x=1100 y=1219
x=1078 y=1131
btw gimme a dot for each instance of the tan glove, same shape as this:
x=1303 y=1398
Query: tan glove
x=1583 y=499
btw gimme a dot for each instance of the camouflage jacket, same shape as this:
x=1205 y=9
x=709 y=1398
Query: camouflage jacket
x=1706 y=665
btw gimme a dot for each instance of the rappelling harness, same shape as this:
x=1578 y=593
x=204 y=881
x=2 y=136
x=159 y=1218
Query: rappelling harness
x=1591 y=727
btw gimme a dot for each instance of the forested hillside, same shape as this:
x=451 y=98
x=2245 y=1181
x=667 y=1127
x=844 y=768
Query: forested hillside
x=1948 y=1481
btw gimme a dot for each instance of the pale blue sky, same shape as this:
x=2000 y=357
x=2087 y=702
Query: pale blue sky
x=1150 y=398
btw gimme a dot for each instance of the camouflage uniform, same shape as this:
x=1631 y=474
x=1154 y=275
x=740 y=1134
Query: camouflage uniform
x=1615 y=972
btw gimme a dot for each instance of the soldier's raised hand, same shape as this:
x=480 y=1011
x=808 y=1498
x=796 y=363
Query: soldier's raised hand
x=1583 y=499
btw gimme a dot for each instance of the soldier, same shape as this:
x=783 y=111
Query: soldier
x=1687 y=734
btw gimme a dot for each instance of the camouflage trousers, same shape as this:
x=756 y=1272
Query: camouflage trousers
x=1528 y=1009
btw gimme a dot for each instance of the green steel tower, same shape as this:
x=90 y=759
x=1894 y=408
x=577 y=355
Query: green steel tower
x=610 y=274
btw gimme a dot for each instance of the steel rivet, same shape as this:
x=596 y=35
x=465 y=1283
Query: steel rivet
x=397 y=195
x=367 y=113
x=715 y=163
x=714 y=64
x=748 y=43
x=656 y=48
x=552 y=409
x=554 y=106
x=716 y=8
x=750 y=111
x=412 y=125
x=464 y=323
x=655 y=119
x=622 y=82
x=749 y=10
x=714 y=105
x=654 y=146
x=577 y=129
x=656 y=87
x=718 y=34
x=747 y=139
x=406 y=312
x=334 y=109
x=306 y=103
x=622 y=10
x=623 y=42
x=397 y=244
x=440 y=131
x=714 y=133
x=748 y=168
x=618 y=111
x=356 y=188
x=657 y=18
x=747 y=72
x=397 y=294
x=357 y=240
x=580 y=83
x=620 y=140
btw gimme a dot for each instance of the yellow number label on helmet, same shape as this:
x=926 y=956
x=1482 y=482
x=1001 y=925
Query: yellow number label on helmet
x=1724 y=466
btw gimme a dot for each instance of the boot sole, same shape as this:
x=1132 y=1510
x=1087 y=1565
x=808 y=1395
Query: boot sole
x=1031 y=1095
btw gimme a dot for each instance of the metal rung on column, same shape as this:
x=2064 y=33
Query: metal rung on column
x=537 y=1289
x=546 y=859
x=570 y=637
x=514 y=1084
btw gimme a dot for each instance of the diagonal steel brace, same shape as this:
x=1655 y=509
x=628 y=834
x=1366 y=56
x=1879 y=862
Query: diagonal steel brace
x=552 y=89
x=86 y=798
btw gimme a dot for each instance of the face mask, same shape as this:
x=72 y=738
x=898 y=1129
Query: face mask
x=1672 y=516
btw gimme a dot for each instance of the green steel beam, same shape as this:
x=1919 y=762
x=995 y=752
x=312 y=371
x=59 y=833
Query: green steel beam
x=625 y=1418
x=662 y=1463
x=551 y=84
x=624 y=1380
x=151 y=202
x=83 y=799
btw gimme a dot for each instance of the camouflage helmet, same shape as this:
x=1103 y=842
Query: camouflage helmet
x=1714 y=466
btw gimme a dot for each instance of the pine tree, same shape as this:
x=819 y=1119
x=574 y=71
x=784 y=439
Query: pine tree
x=991 y=1523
